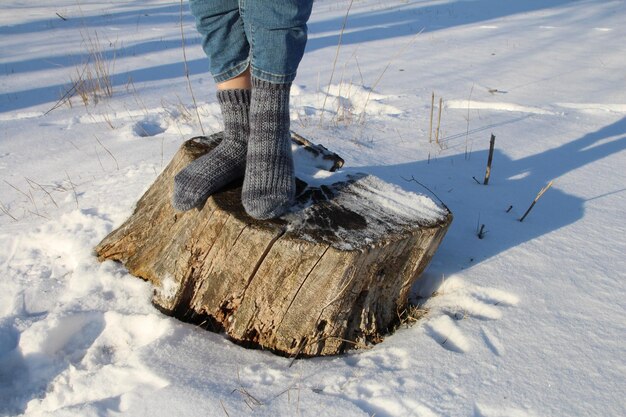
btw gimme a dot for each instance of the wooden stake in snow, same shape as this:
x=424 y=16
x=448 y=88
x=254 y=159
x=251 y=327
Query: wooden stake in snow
x=543 y=190
x=492 y=144
x=438 y=120
x=432 y=110
x=481 y=233
x=331 y=275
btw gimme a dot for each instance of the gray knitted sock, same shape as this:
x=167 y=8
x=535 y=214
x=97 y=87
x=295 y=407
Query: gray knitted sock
x=269 y=183
x=225 y=163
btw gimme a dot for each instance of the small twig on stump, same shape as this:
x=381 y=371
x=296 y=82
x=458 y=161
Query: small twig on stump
x=432 y=110
x=543 y=190
x=412 y=179
x=438 y=121
x=492 y=144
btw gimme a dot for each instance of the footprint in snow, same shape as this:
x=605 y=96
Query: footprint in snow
x=458 y=300
x=149 y=127
x=483 y=410
x=265 y=374
x=71 y=353
x=492 y=342
x=390 y=359
x=446 y=332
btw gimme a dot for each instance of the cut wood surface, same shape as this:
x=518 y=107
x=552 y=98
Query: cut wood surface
x=332 y=274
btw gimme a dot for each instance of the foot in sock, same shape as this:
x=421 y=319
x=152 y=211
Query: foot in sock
x=222 y=165
x=269 y=182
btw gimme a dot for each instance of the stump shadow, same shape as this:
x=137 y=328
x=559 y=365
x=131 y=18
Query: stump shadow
x=513 y=185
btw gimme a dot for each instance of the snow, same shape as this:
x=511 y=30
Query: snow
x=528 y=321
x=372 y=211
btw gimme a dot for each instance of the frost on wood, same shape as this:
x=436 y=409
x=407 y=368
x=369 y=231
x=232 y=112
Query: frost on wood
x=331 y=275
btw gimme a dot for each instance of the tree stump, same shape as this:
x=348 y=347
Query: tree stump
x=333 y=274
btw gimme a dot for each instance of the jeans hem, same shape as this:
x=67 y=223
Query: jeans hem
x=271 y=77
x=232 y=72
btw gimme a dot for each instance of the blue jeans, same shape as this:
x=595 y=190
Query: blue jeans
x=267 y=35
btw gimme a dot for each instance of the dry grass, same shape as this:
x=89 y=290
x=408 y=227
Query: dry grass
x=411 y=315
x=92 y=79
x=469 y=101
x=138 y=100
x=40 y=196
x=93 y=82
x=432 y=110
x=73 y=188
x=193 y=97
x=35 y=184
x=6 y=212
x=332 y=73
x=28 y=195
x=438 y=121
x=541 y=192
x=393 y=58
x=117 y=165
x=439 y=134
x=250 y=400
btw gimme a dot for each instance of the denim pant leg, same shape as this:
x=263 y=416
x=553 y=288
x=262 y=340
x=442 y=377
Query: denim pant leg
x=277 y=34
x=224 y=39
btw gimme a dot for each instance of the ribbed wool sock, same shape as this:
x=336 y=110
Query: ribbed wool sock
x=269 y=183
x=225 y=163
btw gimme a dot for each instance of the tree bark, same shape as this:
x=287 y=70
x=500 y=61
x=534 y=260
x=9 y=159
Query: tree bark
x=331 y=275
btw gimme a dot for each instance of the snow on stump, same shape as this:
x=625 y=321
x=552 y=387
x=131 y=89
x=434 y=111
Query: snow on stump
x=331 y=275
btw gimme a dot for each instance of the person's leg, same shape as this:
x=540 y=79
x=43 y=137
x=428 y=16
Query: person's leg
x=226 y=45
x=269 y=181
x=277 y=34
x=225 y=163
x=223 y=37
x=240 y=82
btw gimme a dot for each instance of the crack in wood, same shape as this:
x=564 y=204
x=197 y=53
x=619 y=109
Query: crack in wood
x=199 y=233
x=262 y=258
x=256 y=269
x=300 y=287
x=239 y=235
x=182 y=306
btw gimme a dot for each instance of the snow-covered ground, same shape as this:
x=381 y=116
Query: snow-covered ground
x=529 y=321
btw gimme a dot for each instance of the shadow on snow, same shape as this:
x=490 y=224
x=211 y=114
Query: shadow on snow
x=398 y=21
x=512 y=183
